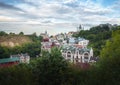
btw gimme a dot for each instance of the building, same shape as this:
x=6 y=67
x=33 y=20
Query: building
x=6 y=62
x=83 y=42
x=45 y=35
x=48 y=45
x=72 y=40
x=80 y=28
x=70 y=34
x=60 y=37
x=78 y=41
x=77 y=54
x=23 y=58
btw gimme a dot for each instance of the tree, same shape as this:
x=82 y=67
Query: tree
x=2 y=33
x=49 y=68
x=16 y=75
x=4 y=52
x=21 y=33
x=112 y=47
x=97 y=36
x=108 y=66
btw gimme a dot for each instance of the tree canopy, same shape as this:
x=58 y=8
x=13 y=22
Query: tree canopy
x=98 y=36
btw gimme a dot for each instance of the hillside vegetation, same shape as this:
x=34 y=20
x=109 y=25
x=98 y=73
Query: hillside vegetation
x=11 y=44
x=15 y=40
x=98 y=36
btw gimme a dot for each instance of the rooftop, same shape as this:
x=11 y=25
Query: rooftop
x=5 y=60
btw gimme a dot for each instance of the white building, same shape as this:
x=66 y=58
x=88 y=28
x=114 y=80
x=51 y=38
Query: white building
x=83 y=42
x=23 y=58
x=78 y=41
x=76 y=54
x=60 y=37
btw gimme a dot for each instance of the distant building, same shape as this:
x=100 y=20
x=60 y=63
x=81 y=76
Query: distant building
x=94 y=59
x=80 y=41
x=70 y=34
x=45 y=35
x=77 y=54
x=80 y=28
x=60 y=37
x=76 y=50
x=72 y=40
x=23 y=58
x=83 y=42
x=6 y=62
x=14 y=60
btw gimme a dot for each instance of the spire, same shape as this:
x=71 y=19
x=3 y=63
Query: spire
x=79 y=28
x=46 y=32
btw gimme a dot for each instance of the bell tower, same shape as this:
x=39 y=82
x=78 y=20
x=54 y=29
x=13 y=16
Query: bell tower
x=79 y=28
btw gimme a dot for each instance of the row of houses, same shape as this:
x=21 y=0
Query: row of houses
x=73 y=49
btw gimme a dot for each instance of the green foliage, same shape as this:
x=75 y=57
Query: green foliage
x=32 y=47
x=4 y=52
x=49 y=68
x=98 y=36
x=112 y=47
x=21 y=33
x=107 y=71
x=16 y=75
x=2 y=33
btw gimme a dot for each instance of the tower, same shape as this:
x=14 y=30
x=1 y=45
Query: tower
x=46 y=32
x=79 y=28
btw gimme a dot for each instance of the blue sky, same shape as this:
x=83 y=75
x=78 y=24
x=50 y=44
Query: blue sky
x=56 y=16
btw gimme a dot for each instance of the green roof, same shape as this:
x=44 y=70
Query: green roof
x=5 y=60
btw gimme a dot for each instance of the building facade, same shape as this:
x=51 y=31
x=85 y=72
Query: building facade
x=23 y=58
x=77 y=54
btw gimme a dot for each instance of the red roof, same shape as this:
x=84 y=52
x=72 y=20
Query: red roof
x=46 y=40
x=9 y=64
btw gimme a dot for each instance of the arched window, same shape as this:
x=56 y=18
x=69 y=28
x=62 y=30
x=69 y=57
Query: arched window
x=86 y=57
x=68 y=54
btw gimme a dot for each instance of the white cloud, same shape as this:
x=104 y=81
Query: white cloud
x=5 y=18
x=53 y=13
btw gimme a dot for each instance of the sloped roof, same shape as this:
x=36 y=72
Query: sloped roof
x=19 y=55
x=73 y=48
x=5 y=60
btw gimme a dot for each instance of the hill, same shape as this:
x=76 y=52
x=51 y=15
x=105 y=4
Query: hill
x=14 y=40
x=98 y=36
x=11 y=44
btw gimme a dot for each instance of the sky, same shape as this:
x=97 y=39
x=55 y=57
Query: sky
x=56 y=16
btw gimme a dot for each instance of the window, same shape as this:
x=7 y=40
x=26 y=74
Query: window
x=86 y=56
x=68 y=54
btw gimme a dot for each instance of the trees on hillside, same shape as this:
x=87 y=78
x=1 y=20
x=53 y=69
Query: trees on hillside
x=107 y=70
x=16 y=75
x=112 y=47
x=49 y=69
x=98 y=36
x=33 y=48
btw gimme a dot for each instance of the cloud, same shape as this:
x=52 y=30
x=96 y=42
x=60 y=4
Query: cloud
x=5 y=18
x=64 y=11
x=50 y=14
x=7 y=6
